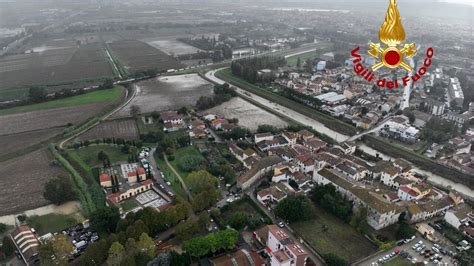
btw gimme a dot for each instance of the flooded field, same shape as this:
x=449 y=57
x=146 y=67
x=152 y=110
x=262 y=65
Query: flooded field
x=168 y=93
x=249 y=115
x=173 y=47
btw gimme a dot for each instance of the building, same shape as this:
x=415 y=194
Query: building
x=459 y=215
x=27 y=243
x=380 y=212
x=398 y=131
x=282 y=250
x=261 y=167
x=241 y=257
x=127 y=191
x=133 y=173
x=455 y=92
x=259 y=137
x=105 y=180
x=331 y=98
x=321 y=65
x=171 y=117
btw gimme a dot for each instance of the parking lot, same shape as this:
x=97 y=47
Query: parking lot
x=80 y=236
x=415 y=251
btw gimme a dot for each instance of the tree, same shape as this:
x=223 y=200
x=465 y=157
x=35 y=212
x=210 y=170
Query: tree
x=298 y=62
x=59 y=190
x=238 y=220
x=146 y=245
x=211 y=243
x=37 y=94
x=267 y=128
x=135 y=111
x=8 y=247
x=131 y=247
x=183 y=110
x=203 y=185
x=108 y=84
x=405 y=231
x=185 y=230
x=410 y=115
x=116 y=254
x=334 y=260
x=96 y=253
x=105 y=219
x=294 y=209
x=155 y=115
x=3 y=228
x=56 y=251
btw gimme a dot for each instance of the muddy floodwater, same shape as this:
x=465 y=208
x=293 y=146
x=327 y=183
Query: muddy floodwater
x=249 y=115
x=168 y=93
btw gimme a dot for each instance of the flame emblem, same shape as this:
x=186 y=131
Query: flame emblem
x=392 y=34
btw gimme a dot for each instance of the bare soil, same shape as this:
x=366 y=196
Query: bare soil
x=120 y=128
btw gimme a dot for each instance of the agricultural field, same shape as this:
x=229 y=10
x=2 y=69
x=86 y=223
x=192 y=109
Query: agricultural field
x=173 y=47
x=42 y=119
x=22 y=180
x=53 y=67
x=100 y=96
x=249 y=115
x=168 y=93
x=121 y=128
x=326 y=232
x=16 y=143
x=137 y=56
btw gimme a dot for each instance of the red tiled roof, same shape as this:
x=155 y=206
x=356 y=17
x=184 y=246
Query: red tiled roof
x=104 y=178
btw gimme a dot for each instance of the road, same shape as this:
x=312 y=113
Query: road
x=282 y=110
x=134 y=94
x=373 y=129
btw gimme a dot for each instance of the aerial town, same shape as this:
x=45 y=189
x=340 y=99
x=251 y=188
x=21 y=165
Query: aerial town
x=222 y=133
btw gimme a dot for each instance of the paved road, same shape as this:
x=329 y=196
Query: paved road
x=282 y=110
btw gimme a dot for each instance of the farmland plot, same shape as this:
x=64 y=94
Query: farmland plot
x=122 y=128
x=50 y=118
x=139 y=56
x=168 y=93
x=54 y=66
x=249 y=115
x=22 y=180
x=13 y=143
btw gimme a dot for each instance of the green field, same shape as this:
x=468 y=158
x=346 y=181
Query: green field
x=107 y=96
x=327 y=120
x=170 y=177
x=303 y=57
x=328 y=234
x=189 y=150
x=128 y=205
x=87 y=157
x=51 y=223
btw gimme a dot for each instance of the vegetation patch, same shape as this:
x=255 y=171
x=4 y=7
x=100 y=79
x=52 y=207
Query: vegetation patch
x=51 y=223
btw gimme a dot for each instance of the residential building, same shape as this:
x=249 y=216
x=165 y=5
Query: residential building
x=282 y=250
x=459 y=215
x=398 y=131
x=455 y=92
x=171 y=117
x=105 y=180
x=261 y=167
x=259 y=137
x=380 y=212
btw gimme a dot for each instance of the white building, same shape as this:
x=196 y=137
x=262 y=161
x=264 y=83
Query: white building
x=455 y=92
x=459 y=215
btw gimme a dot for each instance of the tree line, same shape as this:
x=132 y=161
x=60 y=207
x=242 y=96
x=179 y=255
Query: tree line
x=248 y=68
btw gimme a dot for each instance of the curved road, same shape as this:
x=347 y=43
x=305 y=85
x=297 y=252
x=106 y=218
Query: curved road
x=134 y=94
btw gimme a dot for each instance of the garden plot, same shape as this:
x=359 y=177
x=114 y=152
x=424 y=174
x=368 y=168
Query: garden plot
x=249 y=115
x=168 y=93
